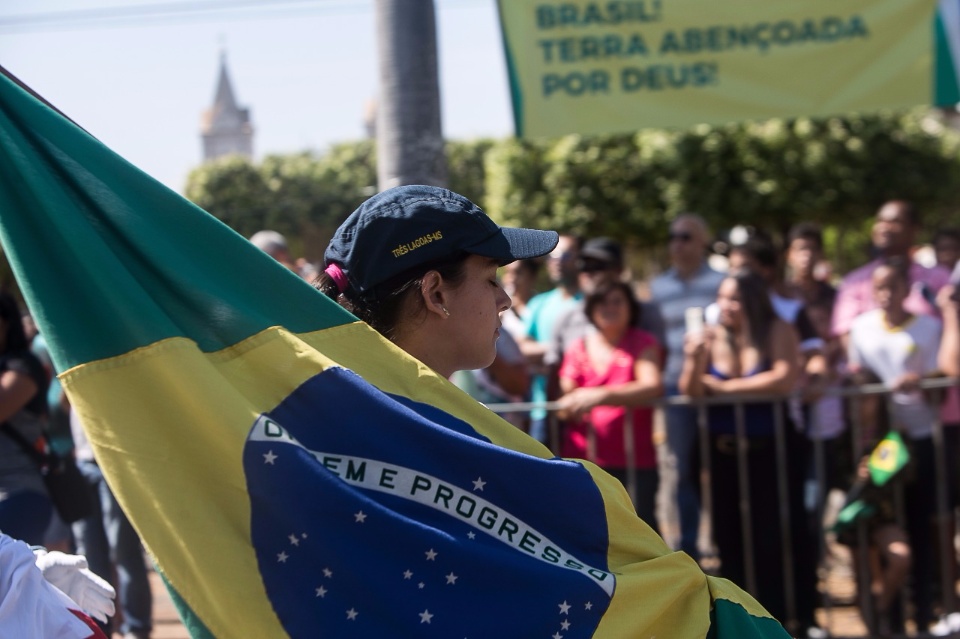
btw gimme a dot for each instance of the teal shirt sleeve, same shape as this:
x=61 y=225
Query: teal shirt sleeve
x=534 y=307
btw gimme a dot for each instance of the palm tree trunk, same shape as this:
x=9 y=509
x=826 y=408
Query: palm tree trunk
x=409 y=135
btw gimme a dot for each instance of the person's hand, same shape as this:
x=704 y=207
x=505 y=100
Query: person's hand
x=695 y=344
x=813 y=388
x=713 y=385
x=947 y=299
x=580 y=400
x=906 y=383
x=69 y=573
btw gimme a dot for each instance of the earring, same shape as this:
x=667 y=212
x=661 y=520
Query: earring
x=445 y=311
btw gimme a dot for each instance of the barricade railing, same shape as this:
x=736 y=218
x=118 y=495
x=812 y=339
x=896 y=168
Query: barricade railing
x=860 y=434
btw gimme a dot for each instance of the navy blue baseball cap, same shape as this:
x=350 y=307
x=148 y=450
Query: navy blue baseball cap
x=409 y=226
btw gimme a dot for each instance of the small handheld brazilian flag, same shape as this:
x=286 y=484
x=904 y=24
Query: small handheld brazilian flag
x=887 y=459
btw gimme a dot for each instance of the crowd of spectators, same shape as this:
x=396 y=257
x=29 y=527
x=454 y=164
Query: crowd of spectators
x=772 y=332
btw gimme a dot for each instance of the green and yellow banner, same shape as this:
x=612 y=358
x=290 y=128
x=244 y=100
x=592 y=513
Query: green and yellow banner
x=585 y=67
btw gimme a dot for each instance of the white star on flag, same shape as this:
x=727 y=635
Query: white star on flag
x=360 y=517
x=431 y=554
x=294 y=540
x=564 y=608
x=452 y=578
x=556 y=635
x=425 y=616
x=327 y=573
x=565 y=625
x=420 y=585
x=282 y=557
x=321 y=592
x=407 y=574
x=478 y=484
x=588 y=606
x=352 y=614
x=269 y=457
x=471 y=535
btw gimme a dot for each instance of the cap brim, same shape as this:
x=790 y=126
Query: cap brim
x=509 y=244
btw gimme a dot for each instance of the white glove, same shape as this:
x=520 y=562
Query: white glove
x=69 y=573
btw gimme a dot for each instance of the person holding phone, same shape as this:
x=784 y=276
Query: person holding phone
x=750 y=351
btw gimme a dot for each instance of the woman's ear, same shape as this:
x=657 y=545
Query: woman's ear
x=433 y=292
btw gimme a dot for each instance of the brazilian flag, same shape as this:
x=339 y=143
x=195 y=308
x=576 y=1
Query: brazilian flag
x=886 y=460
x=291 y=472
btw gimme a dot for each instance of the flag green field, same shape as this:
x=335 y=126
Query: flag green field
x=290 y=471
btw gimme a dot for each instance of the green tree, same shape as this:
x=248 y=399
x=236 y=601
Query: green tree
x=232 y=190
x=769 y=174
x=515 y=190
x=466 y=171
x=302 y=195
x=601 y=186
x=348 y=176
x=295 y=191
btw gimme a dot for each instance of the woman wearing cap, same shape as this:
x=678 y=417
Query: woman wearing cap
x=419 y=265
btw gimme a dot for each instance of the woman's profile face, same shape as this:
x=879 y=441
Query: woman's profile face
x=730 y=304
x=474 y=307
x=613 y=311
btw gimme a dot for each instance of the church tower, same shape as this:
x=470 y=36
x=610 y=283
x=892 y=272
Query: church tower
x=225 y=127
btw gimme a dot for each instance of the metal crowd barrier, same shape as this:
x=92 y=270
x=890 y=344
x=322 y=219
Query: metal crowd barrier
x=858 y=431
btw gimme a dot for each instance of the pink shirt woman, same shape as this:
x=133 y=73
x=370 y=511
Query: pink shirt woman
x=608 y=420
x=605 y=374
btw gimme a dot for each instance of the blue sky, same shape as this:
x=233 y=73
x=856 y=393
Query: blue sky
x=305 y=68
